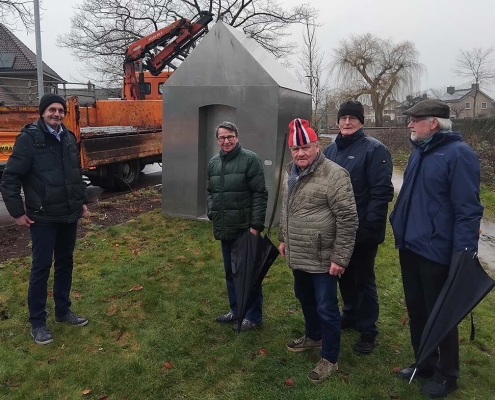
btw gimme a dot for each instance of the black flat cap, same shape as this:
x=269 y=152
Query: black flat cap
x=429 y=108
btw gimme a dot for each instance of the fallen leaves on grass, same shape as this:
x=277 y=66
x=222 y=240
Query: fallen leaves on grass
x=396 y=370
x=76 y=295
x=289 y=382
x=403 y=320
x=135 y=288
x=263 y=351
x=135 y=252
x=85 y=392
x=168 y=365
x=50 y=293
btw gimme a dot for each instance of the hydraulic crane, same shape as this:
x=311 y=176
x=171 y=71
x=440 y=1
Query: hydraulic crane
x=175 y=40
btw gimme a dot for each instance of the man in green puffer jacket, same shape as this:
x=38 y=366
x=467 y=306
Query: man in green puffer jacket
x=237 y=199
x=317 y=233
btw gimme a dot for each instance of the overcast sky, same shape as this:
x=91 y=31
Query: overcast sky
x=439 y=29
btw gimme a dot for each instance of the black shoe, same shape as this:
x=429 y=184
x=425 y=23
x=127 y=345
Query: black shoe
x=247 y=325
x=41 y=335
x=72 y=319
x=365 y=344
x=407 y=372
x=229 y=317
x=439 y=387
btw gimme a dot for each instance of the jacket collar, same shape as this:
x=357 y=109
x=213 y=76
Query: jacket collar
x=438 y=139
x=231 y=154
x=345 y=141
x=41 y=124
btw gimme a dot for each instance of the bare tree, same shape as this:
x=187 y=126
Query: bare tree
x=12 y=11
x=101 y=30
x=476 y=65
x=377 y=69
x=457 y=108
x=313 y=70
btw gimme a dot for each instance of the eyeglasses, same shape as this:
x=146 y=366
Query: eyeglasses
x=412 y=120
x=230 y=138
x=351 y=118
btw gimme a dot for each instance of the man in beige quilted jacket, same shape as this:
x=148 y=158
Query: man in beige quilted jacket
x=317 y=233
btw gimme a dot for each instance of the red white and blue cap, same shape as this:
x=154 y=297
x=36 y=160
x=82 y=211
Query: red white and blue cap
x=300 y=133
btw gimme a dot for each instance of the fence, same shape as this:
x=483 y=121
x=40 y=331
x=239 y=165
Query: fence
x=24 y=92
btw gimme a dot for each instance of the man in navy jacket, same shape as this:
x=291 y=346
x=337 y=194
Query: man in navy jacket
x=369 y=163
x=437 y=213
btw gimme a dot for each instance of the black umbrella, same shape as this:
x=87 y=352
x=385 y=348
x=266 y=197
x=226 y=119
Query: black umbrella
x=466 y=285
x=252 y=256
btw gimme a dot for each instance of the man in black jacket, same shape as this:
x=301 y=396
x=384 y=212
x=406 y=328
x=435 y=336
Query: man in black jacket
x=45 y=163
x=370 y=166
x=237 y=199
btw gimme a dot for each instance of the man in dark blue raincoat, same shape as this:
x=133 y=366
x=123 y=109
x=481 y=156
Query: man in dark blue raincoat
x=437 y=213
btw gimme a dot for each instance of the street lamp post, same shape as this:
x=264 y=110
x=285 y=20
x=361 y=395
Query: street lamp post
x=39 y=57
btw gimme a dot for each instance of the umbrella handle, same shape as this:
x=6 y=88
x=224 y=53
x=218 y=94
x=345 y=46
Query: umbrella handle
x=413 y=374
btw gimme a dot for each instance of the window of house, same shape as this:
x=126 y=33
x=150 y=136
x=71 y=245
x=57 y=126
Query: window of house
x=387 y=112
x=160 y=87
x=468 y=105
x=483 y=106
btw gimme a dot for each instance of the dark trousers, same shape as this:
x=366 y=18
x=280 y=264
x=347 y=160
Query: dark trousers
x=318 y=296
x=423 y=280
x=255 y=311
x=358 y=290
x=50 y=240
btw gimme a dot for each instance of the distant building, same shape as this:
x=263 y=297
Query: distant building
x=389 y=113
x=461 y=102
x=407 y=103
x=18 y=76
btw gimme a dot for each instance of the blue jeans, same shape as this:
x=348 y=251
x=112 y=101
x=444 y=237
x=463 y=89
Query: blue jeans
x=318 y=296
x=50 y=239
x=255 y=311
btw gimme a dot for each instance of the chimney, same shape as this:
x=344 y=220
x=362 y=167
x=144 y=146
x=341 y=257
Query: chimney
x=475 y=86
x=450 y=89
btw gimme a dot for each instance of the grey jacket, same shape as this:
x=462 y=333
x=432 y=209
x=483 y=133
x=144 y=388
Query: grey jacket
x=318 y=224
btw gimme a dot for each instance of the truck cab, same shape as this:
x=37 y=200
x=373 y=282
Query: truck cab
x=151 y=86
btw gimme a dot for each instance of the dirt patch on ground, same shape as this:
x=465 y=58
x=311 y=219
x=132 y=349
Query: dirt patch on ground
x=15 y=241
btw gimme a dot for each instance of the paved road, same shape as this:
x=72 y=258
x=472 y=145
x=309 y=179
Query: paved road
x=151 y=175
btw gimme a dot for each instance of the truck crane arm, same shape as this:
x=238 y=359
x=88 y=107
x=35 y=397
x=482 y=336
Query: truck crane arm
x=185 y=32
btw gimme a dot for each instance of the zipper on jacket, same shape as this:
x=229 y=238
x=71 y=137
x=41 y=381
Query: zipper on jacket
x=221 y=193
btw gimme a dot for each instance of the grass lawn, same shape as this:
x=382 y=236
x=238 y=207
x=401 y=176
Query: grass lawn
x=152 y=288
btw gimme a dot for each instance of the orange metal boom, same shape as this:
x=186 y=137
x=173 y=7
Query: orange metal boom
x=185 y=33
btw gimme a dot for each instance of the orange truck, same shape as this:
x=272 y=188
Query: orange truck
x=119 y=137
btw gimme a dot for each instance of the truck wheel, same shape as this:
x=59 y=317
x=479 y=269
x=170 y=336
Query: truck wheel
x=127 y=174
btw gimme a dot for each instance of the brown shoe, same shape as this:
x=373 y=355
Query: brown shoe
x=302 y=344
x=322 y=370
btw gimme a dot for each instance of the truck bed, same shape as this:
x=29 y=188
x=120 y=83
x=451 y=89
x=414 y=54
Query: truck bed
x=109 y=144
